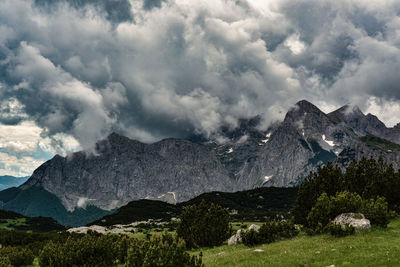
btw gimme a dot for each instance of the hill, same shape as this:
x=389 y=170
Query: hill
x=250 y=205
x=11 y=220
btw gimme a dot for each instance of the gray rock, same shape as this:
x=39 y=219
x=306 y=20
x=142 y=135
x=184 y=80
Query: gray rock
x=254 y=227
x=357 y=220
x=236 y=238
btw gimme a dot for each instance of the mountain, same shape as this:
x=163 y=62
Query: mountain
x=11 y=181
x=175 y=170
x=250 y=205
x=11 y=220
x=36 y=201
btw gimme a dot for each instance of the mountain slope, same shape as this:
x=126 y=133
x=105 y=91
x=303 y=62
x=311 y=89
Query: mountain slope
x=175 y=170
x=12 y=220
x=250 y=205
x=36 y=201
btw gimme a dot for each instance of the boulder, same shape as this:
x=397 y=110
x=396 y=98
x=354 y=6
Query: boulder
x=357 y=220
x=237 y=239
x=254 y=227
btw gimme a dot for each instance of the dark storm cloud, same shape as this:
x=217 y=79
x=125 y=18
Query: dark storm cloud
x=155 y=69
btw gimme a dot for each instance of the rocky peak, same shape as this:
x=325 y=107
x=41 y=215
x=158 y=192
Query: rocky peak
x=306 y=116
x=301 y=109
x=347 y=113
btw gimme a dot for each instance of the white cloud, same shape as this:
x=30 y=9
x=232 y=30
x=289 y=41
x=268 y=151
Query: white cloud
x=17 y=166
x=23 y=137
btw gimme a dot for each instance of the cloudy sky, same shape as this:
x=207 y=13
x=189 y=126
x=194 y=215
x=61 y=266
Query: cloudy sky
x=73 y=71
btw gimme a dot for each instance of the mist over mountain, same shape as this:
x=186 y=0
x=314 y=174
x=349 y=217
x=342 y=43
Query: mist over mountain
x=120 y=169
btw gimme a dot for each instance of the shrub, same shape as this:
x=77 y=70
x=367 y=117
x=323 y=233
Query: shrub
x=250 y=238
x=204 y=225
x=85 y=251
x=376 y=211
x=369 y=178
x=18 y=256
x=160 y=251
x=327 y=208
x=269 y=232
x=5 y=262
x=338 y=231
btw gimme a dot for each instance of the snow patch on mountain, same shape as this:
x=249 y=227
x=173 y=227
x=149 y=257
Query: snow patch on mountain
x=330 y=143
x=268 y=135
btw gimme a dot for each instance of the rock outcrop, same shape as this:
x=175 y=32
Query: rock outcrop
x=237 y=238
x=357 y=220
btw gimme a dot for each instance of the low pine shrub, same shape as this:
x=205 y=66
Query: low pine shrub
x=250 y=238
x=204 y=225
x=17 y=256
x=327 y=208
x=269 y=232
x=88 y=250
x=338 y=231
x=5 y=262
x=376 y=211
x=160 y=251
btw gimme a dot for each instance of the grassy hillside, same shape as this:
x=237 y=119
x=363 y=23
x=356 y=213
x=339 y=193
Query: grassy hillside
x=251 y=205
x=378 y=247
x=13 y=221
x=379 y=143
x=140 y=210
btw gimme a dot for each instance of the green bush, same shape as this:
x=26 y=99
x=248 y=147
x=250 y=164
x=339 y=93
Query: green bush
x=338 y=231
x=250 y=238
x=160 y=251
x=204 y=225
x=5 y=262
x=18 y=256
x=327 y=208
x=88 y=250
x=376 y=211
x=369 y=178
x=269 y=232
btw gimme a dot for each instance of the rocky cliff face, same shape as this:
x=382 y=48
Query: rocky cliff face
x=176 y=170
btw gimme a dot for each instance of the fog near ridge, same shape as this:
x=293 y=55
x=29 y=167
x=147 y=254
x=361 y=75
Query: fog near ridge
x=73 y=71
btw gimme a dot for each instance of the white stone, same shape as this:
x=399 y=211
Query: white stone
x=352 y=219
x=236 y=238
x=254 y=227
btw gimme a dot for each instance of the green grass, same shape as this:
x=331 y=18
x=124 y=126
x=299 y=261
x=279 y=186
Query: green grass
x=379 y=143
x=378 y=247
x=9 y=224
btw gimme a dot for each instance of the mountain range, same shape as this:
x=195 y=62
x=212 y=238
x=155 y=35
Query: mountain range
x=175 y=170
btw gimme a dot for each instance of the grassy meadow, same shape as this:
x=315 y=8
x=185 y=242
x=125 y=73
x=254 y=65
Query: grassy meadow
x=377 y=247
